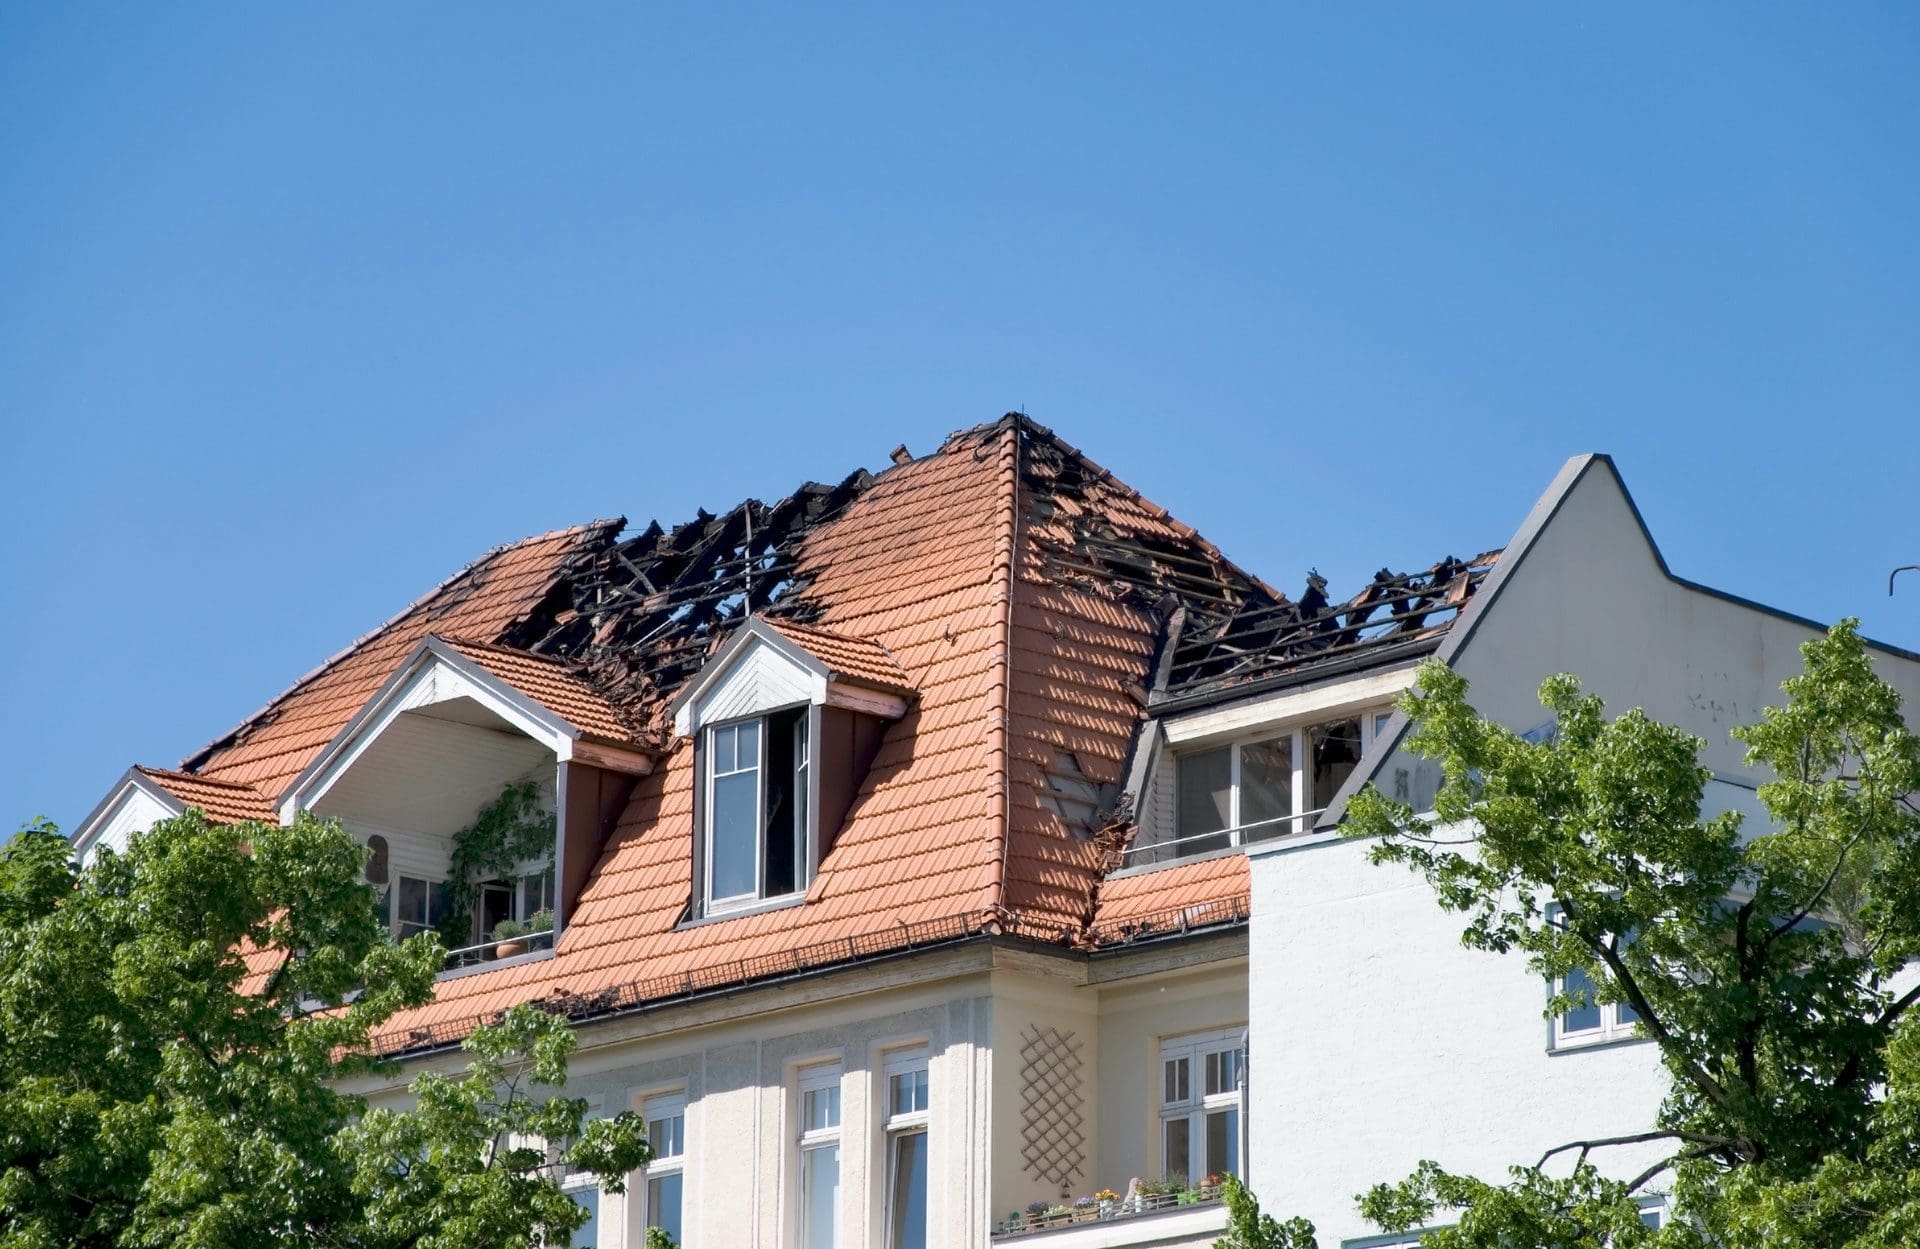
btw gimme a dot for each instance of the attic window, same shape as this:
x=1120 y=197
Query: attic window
x=758 y=807
x=782 y=739
x=1269 y=784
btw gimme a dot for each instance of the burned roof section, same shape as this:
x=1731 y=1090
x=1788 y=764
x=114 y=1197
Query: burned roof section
x=642 y=614
x=1396 y=615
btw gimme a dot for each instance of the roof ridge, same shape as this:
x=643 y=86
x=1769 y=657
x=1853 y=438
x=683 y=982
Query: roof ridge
x=611 y=525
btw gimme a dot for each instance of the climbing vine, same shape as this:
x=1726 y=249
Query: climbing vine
x=508 y=831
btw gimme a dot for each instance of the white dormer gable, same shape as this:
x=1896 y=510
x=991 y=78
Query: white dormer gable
x=135 y=805
x=438 y=677
x=759 y=670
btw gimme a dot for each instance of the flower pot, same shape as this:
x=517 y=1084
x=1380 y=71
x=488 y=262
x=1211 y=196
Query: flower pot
x=509 y=949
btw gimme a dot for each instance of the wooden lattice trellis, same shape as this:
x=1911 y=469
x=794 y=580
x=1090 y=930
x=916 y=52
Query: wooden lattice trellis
x=1053 y=1138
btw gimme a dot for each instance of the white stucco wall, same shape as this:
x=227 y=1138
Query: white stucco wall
x=1379 y=1041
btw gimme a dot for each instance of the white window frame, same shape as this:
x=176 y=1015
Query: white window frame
x=658 y=1108
x=820 y=1078
x=1194 y=1048
x=804 y=733
x=1613 y=1025
x=583 y=1181
x=910 y=1065
x=1372 y=720
x=433 y=920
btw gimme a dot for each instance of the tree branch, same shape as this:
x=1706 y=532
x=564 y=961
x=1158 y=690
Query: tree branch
x=1601 y=1142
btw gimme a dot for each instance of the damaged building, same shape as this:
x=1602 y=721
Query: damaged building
x=900 y=868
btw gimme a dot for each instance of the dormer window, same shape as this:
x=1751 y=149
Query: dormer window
x=1262 y=782
x=785 y=720
x=758 y=807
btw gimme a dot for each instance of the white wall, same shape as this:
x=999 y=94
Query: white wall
x=1379 y=1041
x=134 y=811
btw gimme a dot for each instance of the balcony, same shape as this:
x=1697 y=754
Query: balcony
x=1159 y=1221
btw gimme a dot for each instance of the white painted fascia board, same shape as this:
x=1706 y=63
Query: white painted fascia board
x=391 y=700
x=754 y=631
x=1291 y=707
x=88 y=830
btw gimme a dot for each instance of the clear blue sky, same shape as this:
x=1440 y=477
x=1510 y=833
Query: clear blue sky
x=302 y=310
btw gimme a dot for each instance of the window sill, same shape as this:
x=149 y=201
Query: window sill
x=1581 y=1045
x=736 y=912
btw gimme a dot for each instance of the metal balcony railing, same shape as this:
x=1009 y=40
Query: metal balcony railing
x=1167 y=850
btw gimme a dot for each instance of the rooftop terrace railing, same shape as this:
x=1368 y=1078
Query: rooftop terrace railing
x=1171 y=849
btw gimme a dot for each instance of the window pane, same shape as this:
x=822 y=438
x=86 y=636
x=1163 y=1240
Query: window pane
x=1204 y=789
x=1628 y=1016
x=1266 y=787
x=663 y=1203
x=1580 y=1018
x=1333 y=750
x=1223 y=1072
x=724 y=756
x=736 y=801
x=748 y=737
x=909 y=1092
x=413 y=901
x=819 y=1190
x=668 y=1136
x=1176 y=1087
x=1223 y=1143
x=1176 y=1153
x=907 y=1194
x=587 y=1199
x=820 y=1109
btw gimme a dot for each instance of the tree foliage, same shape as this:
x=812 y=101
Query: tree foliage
x=177 y=1022
x=1770 y=966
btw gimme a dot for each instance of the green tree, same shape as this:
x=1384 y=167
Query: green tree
x=1247 y=1228
x=176 y=1023
x=1765 y=965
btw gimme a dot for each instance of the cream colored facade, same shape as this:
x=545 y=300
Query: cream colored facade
x=737 y=1060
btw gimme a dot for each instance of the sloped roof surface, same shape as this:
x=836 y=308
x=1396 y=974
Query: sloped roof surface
x=1022 y=594
x=555 y=685
x=222 y=801
x=499 y=590
x=855 y=659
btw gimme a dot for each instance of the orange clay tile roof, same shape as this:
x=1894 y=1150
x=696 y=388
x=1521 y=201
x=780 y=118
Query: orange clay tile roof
x=223 y=801
x=854 y=659
x=495 y=592
x=1018 y=589
x=555 y=685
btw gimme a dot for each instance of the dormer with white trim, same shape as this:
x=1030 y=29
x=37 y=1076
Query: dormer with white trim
x=786 y=720
x=457 y=724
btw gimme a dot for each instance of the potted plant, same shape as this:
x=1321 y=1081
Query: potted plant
x=1036 y=1214
x=508 y=934
x=1059 y=1213
x=1210 y=1186
x=1085 y=1209
x=541 y=921
x=1108 y=1202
